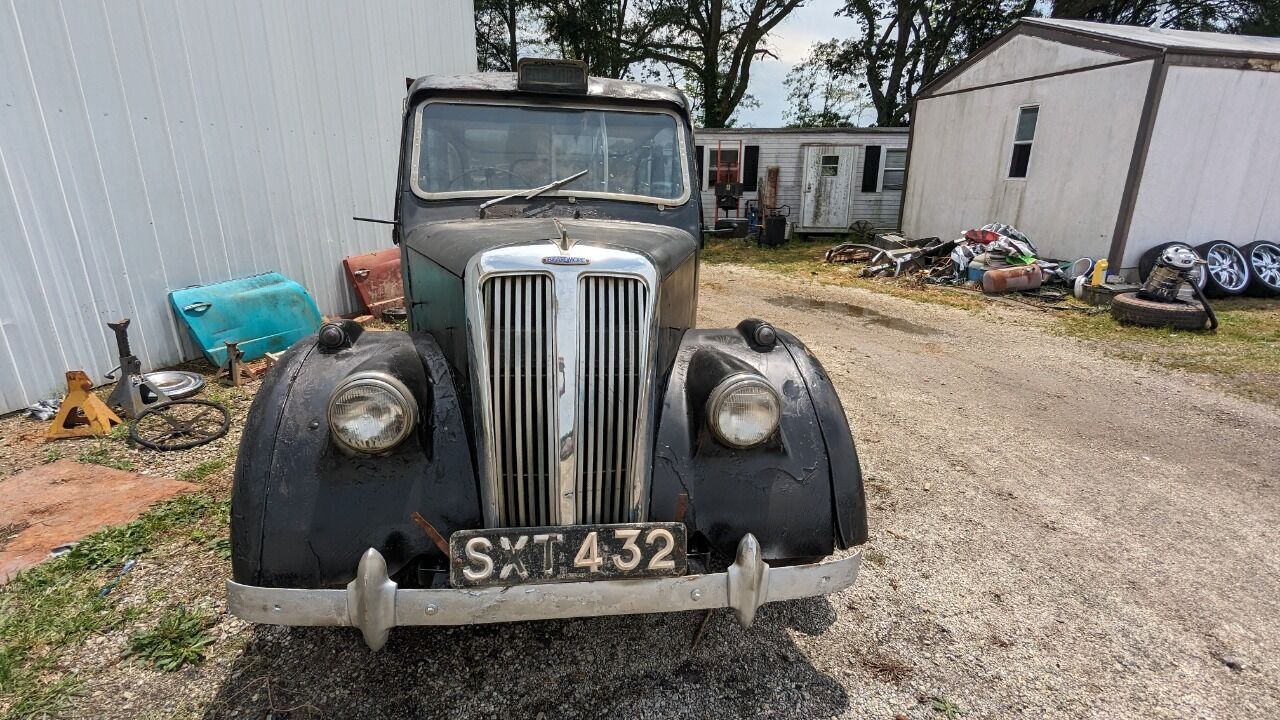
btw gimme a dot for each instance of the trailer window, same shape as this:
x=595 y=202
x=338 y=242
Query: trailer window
x=830 y=166
x=1022 y=137
x=895 y=168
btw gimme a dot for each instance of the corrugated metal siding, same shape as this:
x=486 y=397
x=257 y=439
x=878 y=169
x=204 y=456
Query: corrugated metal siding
x=1067 y=204
x=786 y=150
x=148 y=146
x=1213 y=167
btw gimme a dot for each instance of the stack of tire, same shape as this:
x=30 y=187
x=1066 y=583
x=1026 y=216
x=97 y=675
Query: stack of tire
x=1252 y=269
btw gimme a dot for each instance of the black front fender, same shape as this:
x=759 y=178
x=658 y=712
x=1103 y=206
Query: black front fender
x=303 y=511
x=800 y=493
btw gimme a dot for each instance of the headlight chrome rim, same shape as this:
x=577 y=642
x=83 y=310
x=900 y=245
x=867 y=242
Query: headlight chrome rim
x=386 y=382
x=723 y=390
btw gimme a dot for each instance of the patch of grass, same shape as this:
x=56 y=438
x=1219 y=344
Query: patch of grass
x=179 y=639
x=1243 y=355
x=51 y=454
x=875 y=557
x=227 y=396
x=804 y=259
x=945 y=707
x=203 y=470
x=104 y=452
x=53 y=607
x=49 y=701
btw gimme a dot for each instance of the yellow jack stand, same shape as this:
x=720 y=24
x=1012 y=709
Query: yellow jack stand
x=82 y=413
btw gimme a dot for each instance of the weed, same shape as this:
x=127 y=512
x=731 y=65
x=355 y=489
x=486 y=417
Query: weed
x=875 y=557
x=203 y=470
x=218 y=545
x=119 y=432
x=51 y=454
x=223 y=395
x=50 y=608
x=946 y=708
x=101 y=452
x=179 y=639
x=48 y=701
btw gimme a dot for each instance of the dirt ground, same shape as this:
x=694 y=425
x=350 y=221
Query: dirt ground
x=1055 y=534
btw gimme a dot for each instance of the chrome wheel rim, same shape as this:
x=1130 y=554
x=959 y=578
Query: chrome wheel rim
x=1265 y=261
x=1227 y=266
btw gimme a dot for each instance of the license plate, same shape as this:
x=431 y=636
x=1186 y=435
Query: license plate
x=511 y=556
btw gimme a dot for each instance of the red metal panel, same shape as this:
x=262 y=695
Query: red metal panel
x=376 y=279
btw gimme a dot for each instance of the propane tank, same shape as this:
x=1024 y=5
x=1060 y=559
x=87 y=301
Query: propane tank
x=1022 y=277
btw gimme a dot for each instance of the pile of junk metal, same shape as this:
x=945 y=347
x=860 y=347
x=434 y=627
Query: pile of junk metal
x=231 y=324
x=998 y=259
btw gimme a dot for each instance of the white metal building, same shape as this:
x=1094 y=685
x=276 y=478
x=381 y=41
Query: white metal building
x=830 y=177
x=1102 y=140
x=149 y=145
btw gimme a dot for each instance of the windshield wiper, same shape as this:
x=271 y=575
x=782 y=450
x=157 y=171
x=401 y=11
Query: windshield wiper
x=530 y=194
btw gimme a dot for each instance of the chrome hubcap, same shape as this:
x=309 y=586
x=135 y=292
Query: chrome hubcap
x=1266 y=264
x=1227 y=266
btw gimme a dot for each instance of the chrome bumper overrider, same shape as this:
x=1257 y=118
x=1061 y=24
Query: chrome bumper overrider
x=373 y=603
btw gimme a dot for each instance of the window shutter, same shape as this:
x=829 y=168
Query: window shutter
x=697 y=158
x=751 y=168
x=871 y=169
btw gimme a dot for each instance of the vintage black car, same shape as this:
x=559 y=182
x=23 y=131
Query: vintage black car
x=552 y=410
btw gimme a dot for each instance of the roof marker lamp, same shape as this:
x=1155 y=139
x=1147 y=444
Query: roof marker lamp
x=553 y=76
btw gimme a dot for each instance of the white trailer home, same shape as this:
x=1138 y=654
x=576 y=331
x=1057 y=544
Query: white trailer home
x=1102 y=140
x=830 y=178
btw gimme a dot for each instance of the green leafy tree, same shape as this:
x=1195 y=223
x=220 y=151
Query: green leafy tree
x=1241 y=16
x=904 y=45
x=825 y=89
x=498 y=25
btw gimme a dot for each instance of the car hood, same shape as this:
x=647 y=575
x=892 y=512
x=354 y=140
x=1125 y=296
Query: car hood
x=452 y=243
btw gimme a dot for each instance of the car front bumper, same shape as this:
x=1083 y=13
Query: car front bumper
x=373 y=603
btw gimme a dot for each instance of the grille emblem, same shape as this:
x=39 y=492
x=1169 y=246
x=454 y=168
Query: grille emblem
x=565 y=260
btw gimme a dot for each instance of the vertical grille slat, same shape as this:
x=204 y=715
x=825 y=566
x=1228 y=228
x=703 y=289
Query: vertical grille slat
x=519 y=344
x=613 y=315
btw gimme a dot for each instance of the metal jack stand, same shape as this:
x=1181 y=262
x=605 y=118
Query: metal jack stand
x=234 y=373
x=128 y=394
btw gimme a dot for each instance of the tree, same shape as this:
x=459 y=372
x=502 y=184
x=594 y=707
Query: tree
x=905 y=44
x=1209 y=15
x=609 y=35
x=823 y=90
x=497 y=25
x=713 y=43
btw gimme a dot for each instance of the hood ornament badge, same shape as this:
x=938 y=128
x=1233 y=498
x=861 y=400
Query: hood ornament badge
x=565 y=260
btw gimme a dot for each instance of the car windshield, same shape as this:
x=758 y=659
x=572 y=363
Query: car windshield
x=484 y=150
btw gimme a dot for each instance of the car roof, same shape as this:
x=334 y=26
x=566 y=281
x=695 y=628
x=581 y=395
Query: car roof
x=506 y=82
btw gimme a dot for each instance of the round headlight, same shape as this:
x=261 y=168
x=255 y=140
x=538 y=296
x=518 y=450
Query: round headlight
x=371 y=412
x=743 y=410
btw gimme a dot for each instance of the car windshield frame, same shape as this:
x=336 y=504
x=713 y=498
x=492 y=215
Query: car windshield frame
x=682 y=143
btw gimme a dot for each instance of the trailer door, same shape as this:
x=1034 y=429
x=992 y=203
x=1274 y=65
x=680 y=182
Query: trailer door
x=828 y=180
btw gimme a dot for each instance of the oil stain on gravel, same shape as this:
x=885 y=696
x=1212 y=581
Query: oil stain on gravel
x=849 y=309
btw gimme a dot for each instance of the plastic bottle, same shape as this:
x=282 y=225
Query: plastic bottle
x=1099 y=273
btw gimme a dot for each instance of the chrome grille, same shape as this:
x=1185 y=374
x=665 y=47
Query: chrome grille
x=612 y=362
x=519 y=336
x=562 y=360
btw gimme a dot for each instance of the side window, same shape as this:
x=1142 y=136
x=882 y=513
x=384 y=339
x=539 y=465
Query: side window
x=1023 y=135
x=723 y=162
x=829 y=166
x=895 y=168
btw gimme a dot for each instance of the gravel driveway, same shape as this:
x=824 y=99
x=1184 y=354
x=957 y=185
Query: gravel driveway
x=1054 y=534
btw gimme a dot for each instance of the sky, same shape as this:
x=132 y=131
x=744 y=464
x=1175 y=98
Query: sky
x=810 y=23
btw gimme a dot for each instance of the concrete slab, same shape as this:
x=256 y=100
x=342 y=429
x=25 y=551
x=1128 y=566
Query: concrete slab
x=61 y=502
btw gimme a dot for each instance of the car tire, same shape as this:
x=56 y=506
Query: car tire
x=1148 y=261
x=1180 y=315
x=1264 y=268
x=1228 y=271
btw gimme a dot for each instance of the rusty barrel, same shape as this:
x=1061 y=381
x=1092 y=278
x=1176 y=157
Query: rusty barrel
x=1023 y=277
